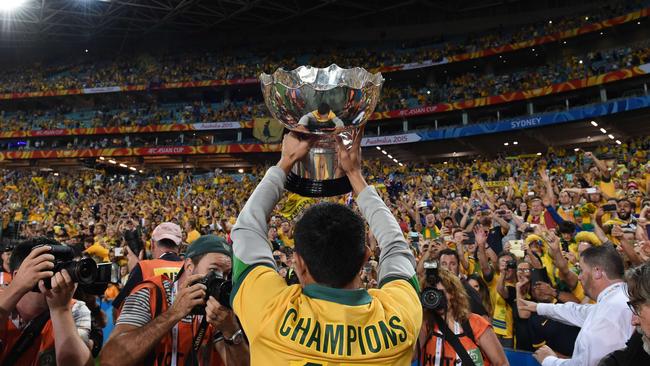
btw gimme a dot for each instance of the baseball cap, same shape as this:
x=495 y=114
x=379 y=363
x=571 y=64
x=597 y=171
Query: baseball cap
x=167 y=230
x=208 y=244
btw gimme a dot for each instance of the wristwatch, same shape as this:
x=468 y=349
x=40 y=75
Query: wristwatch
x=236 y=338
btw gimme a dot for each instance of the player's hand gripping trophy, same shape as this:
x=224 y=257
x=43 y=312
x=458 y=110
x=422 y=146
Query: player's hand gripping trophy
x=319 y=104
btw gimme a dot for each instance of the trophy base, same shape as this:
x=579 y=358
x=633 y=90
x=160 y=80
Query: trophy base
x=317 y=188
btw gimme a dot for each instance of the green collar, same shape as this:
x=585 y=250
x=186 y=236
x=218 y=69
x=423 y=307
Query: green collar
x=337 y=295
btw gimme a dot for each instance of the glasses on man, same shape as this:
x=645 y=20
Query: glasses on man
x=634 y=306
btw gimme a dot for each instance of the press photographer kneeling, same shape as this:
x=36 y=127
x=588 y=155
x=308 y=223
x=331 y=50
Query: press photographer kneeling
x=185 y=322
x=40 y=323
x=450 y=332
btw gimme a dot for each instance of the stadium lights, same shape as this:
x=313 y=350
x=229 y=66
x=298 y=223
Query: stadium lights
x=389 y=156
x=395 y=160
x=123 y=165
x=550 y=22
x=604 y=131
x=112 y=161
x=576 y=149
x=610 y=136
x=428 y=92
x=141 y=171
x=133 y=168
x=56 y=174
x=445 y=163
x=593 y=123
x=505 y=144
x=101 y=158
x=240 y=170
x=378 y=148
x=586 y=18
x=11 y=5
x=618 y=142
x=580 y=62
x=539 y=154
x=384 y=152
x=515 y=143
x=564 y=42
x=400 y=164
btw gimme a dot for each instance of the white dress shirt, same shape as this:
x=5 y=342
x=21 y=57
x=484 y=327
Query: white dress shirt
x=605 y=326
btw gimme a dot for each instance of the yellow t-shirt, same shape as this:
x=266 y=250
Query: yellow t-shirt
x=288 y=242
x=318 y=325
x=193 y=235
x=502 y=320
x=97 y=250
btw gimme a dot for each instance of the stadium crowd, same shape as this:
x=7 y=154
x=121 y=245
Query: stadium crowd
x=463 y=87
x=156 y=69
x=512 y=228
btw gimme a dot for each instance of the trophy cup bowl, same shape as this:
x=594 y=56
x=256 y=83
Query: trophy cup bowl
x=319 y=104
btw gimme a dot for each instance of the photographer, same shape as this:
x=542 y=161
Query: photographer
x=38 y=327
x=166 y=239
x=152 y=330
x=450 y=332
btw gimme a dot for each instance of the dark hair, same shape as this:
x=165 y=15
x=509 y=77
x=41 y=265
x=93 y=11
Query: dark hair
x=625 y=199
x=638 y=282
x=449 y=252
x=22 y=250
x=605 y=257
x=167 y=243
x=566 y=227
x=323 y=108
x=331 y=238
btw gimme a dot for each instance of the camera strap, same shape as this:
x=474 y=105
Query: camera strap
x=174 y=360
x=27 y=338
x=453 y=340
x=192 y=358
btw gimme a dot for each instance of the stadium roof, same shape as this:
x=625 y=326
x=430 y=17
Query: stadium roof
x=91 y=19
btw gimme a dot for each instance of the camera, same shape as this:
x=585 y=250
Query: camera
x=217 y=287
x=91 y=277
x=511 y=264
x=430 y=297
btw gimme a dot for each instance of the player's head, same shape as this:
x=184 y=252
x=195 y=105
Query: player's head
x=330 y=244
x=323 y=109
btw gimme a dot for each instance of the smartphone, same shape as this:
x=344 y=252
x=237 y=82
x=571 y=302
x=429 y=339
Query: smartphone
x=367 y=268
x=415 y=237
x=609 y=208
x=448 y=238
x=591 y=190
x=531 y=193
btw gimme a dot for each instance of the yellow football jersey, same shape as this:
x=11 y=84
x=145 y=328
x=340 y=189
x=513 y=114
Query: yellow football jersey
x=319 y=325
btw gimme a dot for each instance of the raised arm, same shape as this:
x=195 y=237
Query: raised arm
x=481 y=240
x=249 y=235
x=396 y=260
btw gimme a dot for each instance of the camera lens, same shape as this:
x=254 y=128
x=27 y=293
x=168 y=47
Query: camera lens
x=83 y=271
x=433 y=299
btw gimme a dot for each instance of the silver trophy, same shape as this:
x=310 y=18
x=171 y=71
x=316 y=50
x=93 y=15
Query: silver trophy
x=320 y=104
